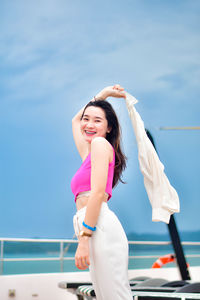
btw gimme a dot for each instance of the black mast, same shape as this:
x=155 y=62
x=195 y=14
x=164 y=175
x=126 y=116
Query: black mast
x=176 y=242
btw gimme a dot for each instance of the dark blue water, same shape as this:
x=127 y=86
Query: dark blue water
x=47 y=250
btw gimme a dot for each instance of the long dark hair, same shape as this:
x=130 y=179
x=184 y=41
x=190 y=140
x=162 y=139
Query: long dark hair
x=113 y=137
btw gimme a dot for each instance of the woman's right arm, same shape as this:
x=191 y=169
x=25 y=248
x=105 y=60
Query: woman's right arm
x=110 y=91
x=81 y=145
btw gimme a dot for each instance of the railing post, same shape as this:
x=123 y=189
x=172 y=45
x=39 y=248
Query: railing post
x=1 y=269
x=61 y=256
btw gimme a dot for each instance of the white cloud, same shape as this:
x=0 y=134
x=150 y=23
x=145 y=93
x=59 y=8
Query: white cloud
x=49 y=48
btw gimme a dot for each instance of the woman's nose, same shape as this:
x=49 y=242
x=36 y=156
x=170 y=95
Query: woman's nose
x=90 y=124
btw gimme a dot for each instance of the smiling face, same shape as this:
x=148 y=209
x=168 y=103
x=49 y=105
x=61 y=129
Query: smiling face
x=94 y=123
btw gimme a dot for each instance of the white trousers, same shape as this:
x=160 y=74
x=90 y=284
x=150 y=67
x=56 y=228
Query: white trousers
x=108 y=255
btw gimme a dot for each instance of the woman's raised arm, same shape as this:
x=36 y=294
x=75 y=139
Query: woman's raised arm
x=110 y=91
x=80 y=142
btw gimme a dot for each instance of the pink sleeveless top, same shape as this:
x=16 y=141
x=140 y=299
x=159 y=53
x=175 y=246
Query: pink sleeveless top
x=82 y=179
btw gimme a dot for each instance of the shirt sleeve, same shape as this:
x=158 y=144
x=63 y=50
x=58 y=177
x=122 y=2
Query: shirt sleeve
x=162 y=196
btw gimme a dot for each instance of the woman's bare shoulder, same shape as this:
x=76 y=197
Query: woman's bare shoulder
x=101 y=145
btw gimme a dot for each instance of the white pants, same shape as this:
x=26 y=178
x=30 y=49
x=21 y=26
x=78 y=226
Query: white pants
x=108 y=256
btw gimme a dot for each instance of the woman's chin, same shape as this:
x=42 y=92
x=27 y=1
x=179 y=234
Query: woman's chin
x=88 y=139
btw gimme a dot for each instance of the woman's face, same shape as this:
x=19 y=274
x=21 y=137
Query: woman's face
x=94 y=123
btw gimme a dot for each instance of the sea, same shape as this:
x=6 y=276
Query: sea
x=30 y=250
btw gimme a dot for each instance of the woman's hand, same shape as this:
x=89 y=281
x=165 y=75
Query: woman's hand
x=112 y=91
x=82 y=260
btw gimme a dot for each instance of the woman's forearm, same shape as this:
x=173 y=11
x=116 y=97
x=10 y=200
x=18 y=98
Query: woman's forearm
x=111 y=91
x=77 y=117
x=100 y=95
x=93 y=210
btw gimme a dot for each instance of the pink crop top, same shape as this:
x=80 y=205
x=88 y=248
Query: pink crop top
x=82 y=179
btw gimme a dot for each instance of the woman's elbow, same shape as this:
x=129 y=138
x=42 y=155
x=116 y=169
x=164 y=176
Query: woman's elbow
x=98 y=195
x=74 y=119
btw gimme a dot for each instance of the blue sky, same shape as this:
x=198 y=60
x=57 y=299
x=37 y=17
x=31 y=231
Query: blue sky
x=55 y=56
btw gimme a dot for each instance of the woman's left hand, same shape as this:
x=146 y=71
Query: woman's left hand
x=82 y=260
x=112 y=91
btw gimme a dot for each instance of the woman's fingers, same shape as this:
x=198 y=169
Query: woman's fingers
x=118 y=87
x=118 y=91
x=82 y=254
x=82 y=263
x=87 y=259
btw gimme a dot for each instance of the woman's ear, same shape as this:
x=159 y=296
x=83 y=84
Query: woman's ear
x=109 y=129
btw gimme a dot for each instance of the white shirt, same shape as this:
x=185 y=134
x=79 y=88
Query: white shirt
x=162 y=196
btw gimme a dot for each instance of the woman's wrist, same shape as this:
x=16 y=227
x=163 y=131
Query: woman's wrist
x=101 y=95
x=111 y=91
x=83 y=239
x=84 y=234
x=88 y=227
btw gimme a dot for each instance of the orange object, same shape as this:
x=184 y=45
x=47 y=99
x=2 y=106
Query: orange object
x=163 y=260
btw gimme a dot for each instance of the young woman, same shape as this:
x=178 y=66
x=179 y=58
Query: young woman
x=102 y=243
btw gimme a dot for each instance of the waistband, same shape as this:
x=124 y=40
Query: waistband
x=81 y=211
x=86 y=194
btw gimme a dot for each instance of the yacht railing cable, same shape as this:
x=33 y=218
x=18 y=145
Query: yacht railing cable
x=63 y=250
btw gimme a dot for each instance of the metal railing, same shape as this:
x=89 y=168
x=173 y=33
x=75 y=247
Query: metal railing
x=63 y=250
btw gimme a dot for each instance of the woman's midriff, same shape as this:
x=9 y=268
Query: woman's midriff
x=83 y=200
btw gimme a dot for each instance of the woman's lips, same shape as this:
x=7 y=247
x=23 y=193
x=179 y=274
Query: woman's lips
x=89 y=132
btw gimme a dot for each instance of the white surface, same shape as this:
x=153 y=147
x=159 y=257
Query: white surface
x=45 y=286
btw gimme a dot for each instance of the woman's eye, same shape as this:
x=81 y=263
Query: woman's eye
x=97 y=121
x=85 y=119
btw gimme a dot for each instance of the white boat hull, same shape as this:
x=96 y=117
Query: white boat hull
x=45 y=286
